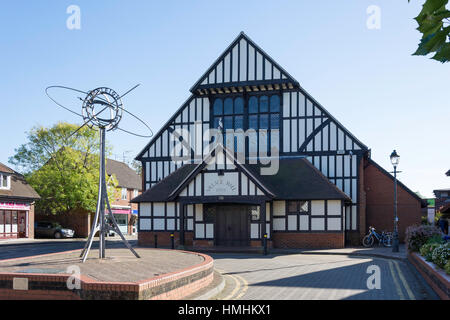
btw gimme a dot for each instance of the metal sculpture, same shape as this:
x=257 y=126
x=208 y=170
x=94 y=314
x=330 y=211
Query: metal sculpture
x=103 y=109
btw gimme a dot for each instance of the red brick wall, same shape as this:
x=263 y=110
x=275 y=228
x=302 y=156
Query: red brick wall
x=147 y=238
x=308 y=240
x=379 y=190
x=31 y=222
x=78 y=221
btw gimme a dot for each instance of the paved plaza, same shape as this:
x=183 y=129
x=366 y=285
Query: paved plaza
x=317 y=276
x=119 y=266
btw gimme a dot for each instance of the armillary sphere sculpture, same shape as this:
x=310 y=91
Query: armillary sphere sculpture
x=103 y=109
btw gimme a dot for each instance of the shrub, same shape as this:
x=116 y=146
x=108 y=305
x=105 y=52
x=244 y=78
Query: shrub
x=447 y=267
x=437 y=238
x=441 y=255
x=417 y=236
x=427 y=250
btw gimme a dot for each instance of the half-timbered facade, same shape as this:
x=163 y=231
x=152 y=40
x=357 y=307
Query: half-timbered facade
x=249 y=154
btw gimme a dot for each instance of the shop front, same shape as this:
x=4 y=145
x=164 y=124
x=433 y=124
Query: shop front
x=14 y=220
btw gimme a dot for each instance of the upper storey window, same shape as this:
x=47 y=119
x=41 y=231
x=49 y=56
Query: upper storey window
x=4 y=181
x=230 y=111
x=264 y=112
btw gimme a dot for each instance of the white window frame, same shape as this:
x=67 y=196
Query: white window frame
x=8 y=182
x=124 y=192
x=135 y=193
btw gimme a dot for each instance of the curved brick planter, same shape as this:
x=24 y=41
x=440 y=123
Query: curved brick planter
x=436 y=278
x=170 y=286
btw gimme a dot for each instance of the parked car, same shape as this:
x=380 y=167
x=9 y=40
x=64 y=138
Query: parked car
x=52 y=230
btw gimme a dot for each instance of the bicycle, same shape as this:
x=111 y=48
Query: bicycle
x=385 y=238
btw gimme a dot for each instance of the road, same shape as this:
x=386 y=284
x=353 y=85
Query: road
x=318 y=277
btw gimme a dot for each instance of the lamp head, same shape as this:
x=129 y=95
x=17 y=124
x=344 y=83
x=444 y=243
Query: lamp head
x=395 y=158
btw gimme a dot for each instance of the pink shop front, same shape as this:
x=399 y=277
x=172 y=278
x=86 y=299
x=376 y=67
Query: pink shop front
x=14 y=220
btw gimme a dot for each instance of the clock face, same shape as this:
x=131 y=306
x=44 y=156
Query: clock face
x=102 y=107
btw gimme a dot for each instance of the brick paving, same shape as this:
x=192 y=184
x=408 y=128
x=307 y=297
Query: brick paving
x=319 y=276
x=119 y=266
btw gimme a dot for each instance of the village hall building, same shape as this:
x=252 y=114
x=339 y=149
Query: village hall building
x=304 y=179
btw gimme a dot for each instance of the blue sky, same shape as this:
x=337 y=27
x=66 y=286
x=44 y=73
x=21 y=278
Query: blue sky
x=366 y=78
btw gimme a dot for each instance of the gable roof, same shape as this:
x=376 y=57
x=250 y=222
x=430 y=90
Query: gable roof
x=297 y=179
x=208 y=159
x=126 y=177
x=20 y=189
x=161 y=191
x=243 y=63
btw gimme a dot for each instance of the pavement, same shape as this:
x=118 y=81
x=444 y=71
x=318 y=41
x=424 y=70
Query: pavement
x=318 y=277
x=376 y=251
x=120 y=265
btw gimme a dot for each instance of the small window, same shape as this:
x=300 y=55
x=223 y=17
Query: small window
x=124 y=193
x=255 y=213
x=135 y=193
x=4 y=181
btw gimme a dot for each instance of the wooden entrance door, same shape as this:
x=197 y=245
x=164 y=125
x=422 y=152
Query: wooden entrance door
x=232 y=225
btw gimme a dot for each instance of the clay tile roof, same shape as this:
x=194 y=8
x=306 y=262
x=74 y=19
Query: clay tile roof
x=20 y=189
x=126 y=177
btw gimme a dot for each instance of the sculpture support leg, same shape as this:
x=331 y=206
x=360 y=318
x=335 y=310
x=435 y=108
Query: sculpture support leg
x=100 y=223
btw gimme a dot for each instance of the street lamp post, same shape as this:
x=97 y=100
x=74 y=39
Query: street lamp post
x=395 y=158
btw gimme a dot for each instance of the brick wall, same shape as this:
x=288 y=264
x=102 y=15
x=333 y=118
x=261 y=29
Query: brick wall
x=31 y=219
x=147 y=238
x=308 y=240
x=79 y=221
x=379 y=190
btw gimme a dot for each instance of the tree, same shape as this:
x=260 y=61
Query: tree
x=62 y=168
x=434 y=24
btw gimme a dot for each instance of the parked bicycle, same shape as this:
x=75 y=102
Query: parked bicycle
x=385 y=238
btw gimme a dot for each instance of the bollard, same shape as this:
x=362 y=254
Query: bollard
x=172 y=240
x=265 y=244
x=156 y=241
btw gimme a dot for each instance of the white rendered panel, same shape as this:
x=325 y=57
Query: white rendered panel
x=304 y=223
x=259 y=66
x=235 y=71
x=251 y=63
x=145 y=209
x=170 y=224
x=334 y=224
x=317 y=207
x=209 y=230
x=243 y=60
x=254 y=230
x=279 y=224
x=200 y=230
x=286 y=104
x=170 y=209
x=334 y=207
x=158 y=209
x=292 y=222
x=317 y=224
x=158 y=224
x=145 y=224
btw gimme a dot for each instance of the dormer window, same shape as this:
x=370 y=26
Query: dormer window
x=5 y=181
